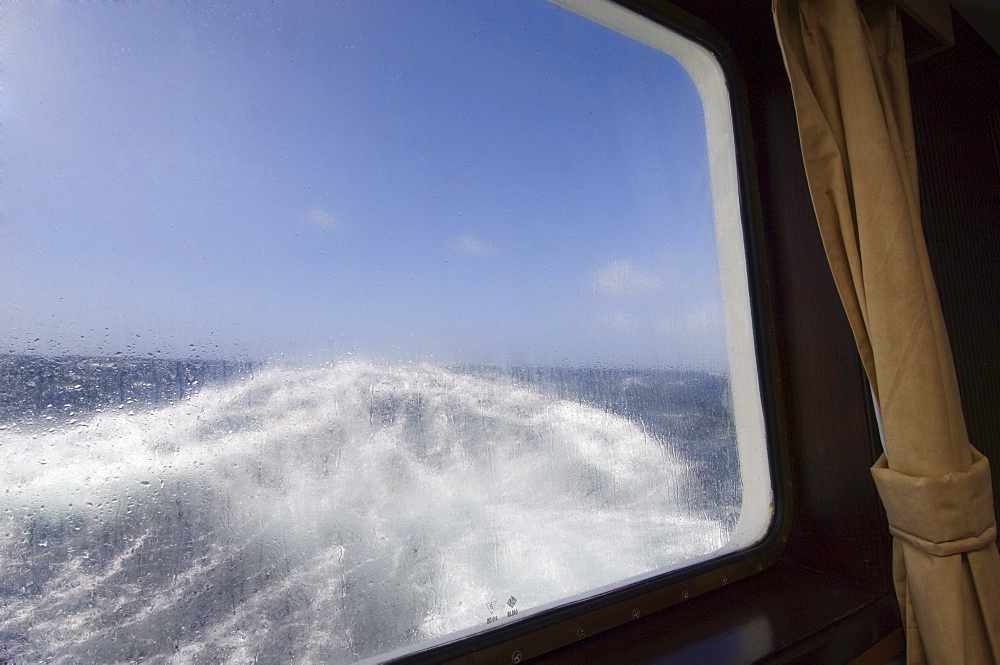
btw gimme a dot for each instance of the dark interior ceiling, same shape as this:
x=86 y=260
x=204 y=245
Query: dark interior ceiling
x=984 y=16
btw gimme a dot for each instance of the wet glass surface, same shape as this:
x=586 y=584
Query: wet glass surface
x=332 y=329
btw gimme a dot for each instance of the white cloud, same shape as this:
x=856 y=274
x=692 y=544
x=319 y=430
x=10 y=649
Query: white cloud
x=621 y=278
x=321 y=218
x=472 y=246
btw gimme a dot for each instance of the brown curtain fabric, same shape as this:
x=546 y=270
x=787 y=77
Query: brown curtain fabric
x=849 y=83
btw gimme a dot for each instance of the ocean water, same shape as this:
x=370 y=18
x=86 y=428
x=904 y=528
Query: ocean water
x=334 y=513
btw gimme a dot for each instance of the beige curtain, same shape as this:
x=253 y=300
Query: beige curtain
x=849 y=83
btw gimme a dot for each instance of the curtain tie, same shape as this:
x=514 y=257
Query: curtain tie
x=941 y=515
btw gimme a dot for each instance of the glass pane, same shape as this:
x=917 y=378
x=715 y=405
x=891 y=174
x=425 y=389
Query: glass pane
x=334 y=329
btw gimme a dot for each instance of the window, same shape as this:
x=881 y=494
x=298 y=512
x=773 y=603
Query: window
x=340 y=331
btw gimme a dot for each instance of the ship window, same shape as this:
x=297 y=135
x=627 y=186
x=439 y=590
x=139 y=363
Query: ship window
x=337 y=330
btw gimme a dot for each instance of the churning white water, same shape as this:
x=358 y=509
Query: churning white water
x=323 y=515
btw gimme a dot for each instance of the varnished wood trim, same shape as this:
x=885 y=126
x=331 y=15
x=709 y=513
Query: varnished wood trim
x=883 y=651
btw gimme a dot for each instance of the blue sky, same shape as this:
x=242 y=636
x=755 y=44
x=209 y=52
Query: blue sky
x=440 y=180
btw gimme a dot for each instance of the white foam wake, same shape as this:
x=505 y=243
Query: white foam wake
x=323 y=515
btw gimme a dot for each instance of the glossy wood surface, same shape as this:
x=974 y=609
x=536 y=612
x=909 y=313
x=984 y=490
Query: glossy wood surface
x=770 y=616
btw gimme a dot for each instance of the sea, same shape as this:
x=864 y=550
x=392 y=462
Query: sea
x=209 y=511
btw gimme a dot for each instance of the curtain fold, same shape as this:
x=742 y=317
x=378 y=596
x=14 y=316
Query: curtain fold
x=847 y=70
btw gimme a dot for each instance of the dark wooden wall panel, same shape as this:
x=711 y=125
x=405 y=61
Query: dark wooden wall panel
x=956 y=101
x=838 y=526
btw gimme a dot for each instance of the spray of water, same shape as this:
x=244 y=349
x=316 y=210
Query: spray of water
x=323 y=515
